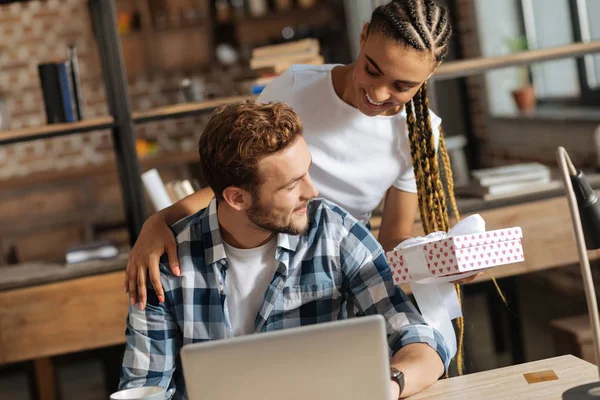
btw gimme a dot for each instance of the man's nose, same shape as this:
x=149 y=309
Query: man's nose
x=311 y=190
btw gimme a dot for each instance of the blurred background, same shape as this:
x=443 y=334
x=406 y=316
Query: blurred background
x=64 y=193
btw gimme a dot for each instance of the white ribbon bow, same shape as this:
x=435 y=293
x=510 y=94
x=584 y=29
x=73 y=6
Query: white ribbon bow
x=436 y=296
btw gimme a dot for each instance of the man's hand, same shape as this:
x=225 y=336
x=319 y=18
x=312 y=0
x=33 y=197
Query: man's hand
x=155 y=239
x=395 y=390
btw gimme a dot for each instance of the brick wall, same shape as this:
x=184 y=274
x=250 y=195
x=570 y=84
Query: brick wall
x=40 y=31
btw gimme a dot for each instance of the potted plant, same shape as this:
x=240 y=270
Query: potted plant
x=524 y=95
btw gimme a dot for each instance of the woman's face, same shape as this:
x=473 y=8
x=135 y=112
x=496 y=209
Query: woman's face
x=387 y=74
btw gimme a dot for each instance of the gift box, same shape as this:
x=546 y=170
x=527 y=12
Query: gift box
x=456 y=254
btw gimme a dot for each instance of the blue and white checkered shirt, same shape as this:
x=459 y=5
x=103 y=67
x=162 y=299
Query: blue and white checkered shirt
x=335 y=263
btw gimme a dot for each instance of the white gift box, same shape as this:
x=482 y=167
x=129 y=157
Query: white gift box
x=458 y=254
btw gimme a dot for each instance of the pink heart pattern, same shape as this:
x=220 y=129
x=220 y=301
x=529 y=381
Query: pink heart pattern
x=483 y=251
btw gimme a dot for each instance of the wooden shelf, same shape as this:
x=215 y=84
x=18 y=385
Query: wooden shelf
x=252 y=30
x=185 y=110
x=157 y=114
x=108 y=167
x=53 y=130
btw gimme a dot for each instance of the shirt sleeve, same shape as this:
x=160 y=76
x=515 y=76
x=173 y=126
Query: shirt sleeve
x=281 y=89
x=153 y=343
x=406 y=179
x=372 y=291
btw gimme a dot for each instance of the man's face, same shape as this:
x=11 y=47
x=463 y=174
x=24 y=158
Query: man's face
x=280 y=202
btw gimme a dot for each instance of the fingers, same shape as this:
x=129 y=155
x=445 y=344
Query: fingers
x=126 y=283
x=153 y=263
x=171 y=251
x=128 y=271
x=132 y=284
x=141 y=286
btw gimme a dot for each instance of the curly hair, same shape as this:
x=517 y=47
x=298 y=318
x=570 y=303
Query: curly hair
x=238 y=136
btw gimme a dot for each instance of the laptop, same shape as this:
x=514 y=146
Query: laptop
x=342 y=360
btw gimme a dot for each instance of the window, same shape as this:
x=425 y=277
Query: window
x=556 y=23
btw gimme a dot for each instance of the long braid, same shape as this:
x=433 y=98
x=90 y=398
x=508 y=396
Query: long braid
x=448 y=172
x=419 y=174
x=425 y=163
x=424 y=25
x=441 y=212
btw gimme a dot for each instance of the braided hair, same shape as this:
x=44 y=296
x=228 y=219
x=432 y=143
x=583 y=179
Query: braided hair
x=425 y=26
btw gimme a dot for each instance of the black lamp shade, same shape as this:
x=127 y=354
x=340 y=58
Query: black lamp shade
x=589 y=210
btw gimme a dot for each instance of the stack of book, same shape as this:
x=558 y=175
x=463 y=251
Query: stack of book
x=511 y=180
x=61 y=89
x=271 y=61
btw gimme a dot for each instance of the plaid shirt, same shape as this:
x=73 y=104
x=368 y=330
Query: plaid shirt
x=335 y=263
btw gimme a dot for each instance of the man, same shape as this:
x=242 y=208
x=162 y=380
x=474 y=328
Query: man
x=266 y=255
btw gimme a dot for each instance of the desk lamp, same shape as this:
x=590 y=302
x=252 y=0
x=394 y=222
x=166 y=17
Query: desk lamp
x=584 y=207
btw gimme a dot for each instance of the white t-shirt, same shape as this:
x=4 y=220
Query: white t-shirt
x=249 y=274
x=356 y=158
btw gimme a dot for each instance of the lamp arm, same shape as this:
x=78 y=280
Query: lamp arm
x=567 y=168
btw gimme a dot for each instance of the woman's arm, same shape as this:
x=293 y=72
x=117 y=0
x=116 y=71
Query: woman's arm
x=187 y=206
x=399 y=213
x=156 y=238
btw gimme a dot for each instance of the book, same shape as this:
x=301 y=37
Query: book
x=66 y=91
x=282 y=66
x=76 y=82
x=297 y=58
x=51 y=91
x=56 y=80
x=511 y=174
x=508 y=190
x=298 y=46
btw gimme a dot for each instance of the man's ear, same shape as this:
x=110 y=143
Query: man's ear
x=237 y=198
x=363 y=34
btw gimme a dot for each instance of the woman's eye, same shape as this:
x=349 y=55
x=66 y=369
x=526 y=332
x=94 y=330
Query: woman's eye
x=402 y=89
x=370 y=72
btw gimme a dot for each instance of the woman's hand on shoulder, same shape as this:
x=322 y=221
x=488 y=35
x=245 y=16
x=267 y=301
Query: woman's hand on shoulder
x=156 y=238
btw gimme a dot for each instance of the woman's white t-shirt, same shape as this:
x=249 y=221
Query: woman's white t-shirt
x=356 y=158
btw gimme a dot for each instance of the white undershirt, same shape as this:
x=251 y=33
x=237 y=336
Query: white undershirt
x=355 y=158
x=247 y=279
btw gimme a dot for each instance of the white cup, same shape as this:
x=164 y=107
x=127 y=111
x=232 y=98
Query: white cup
x=141 y=393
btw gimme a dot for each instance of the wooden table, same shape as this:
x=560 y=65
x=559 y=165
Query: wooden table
x=509 y=383
x=69 y=309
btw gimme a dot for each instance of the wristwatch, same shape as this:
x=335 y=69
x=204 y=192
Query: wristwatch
x=397 y=376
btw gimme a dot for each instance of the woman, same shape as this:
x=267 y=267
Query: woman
x=369 y=130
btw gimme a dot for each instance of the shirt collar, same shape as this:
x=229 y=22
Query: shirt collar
x=215 y=251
